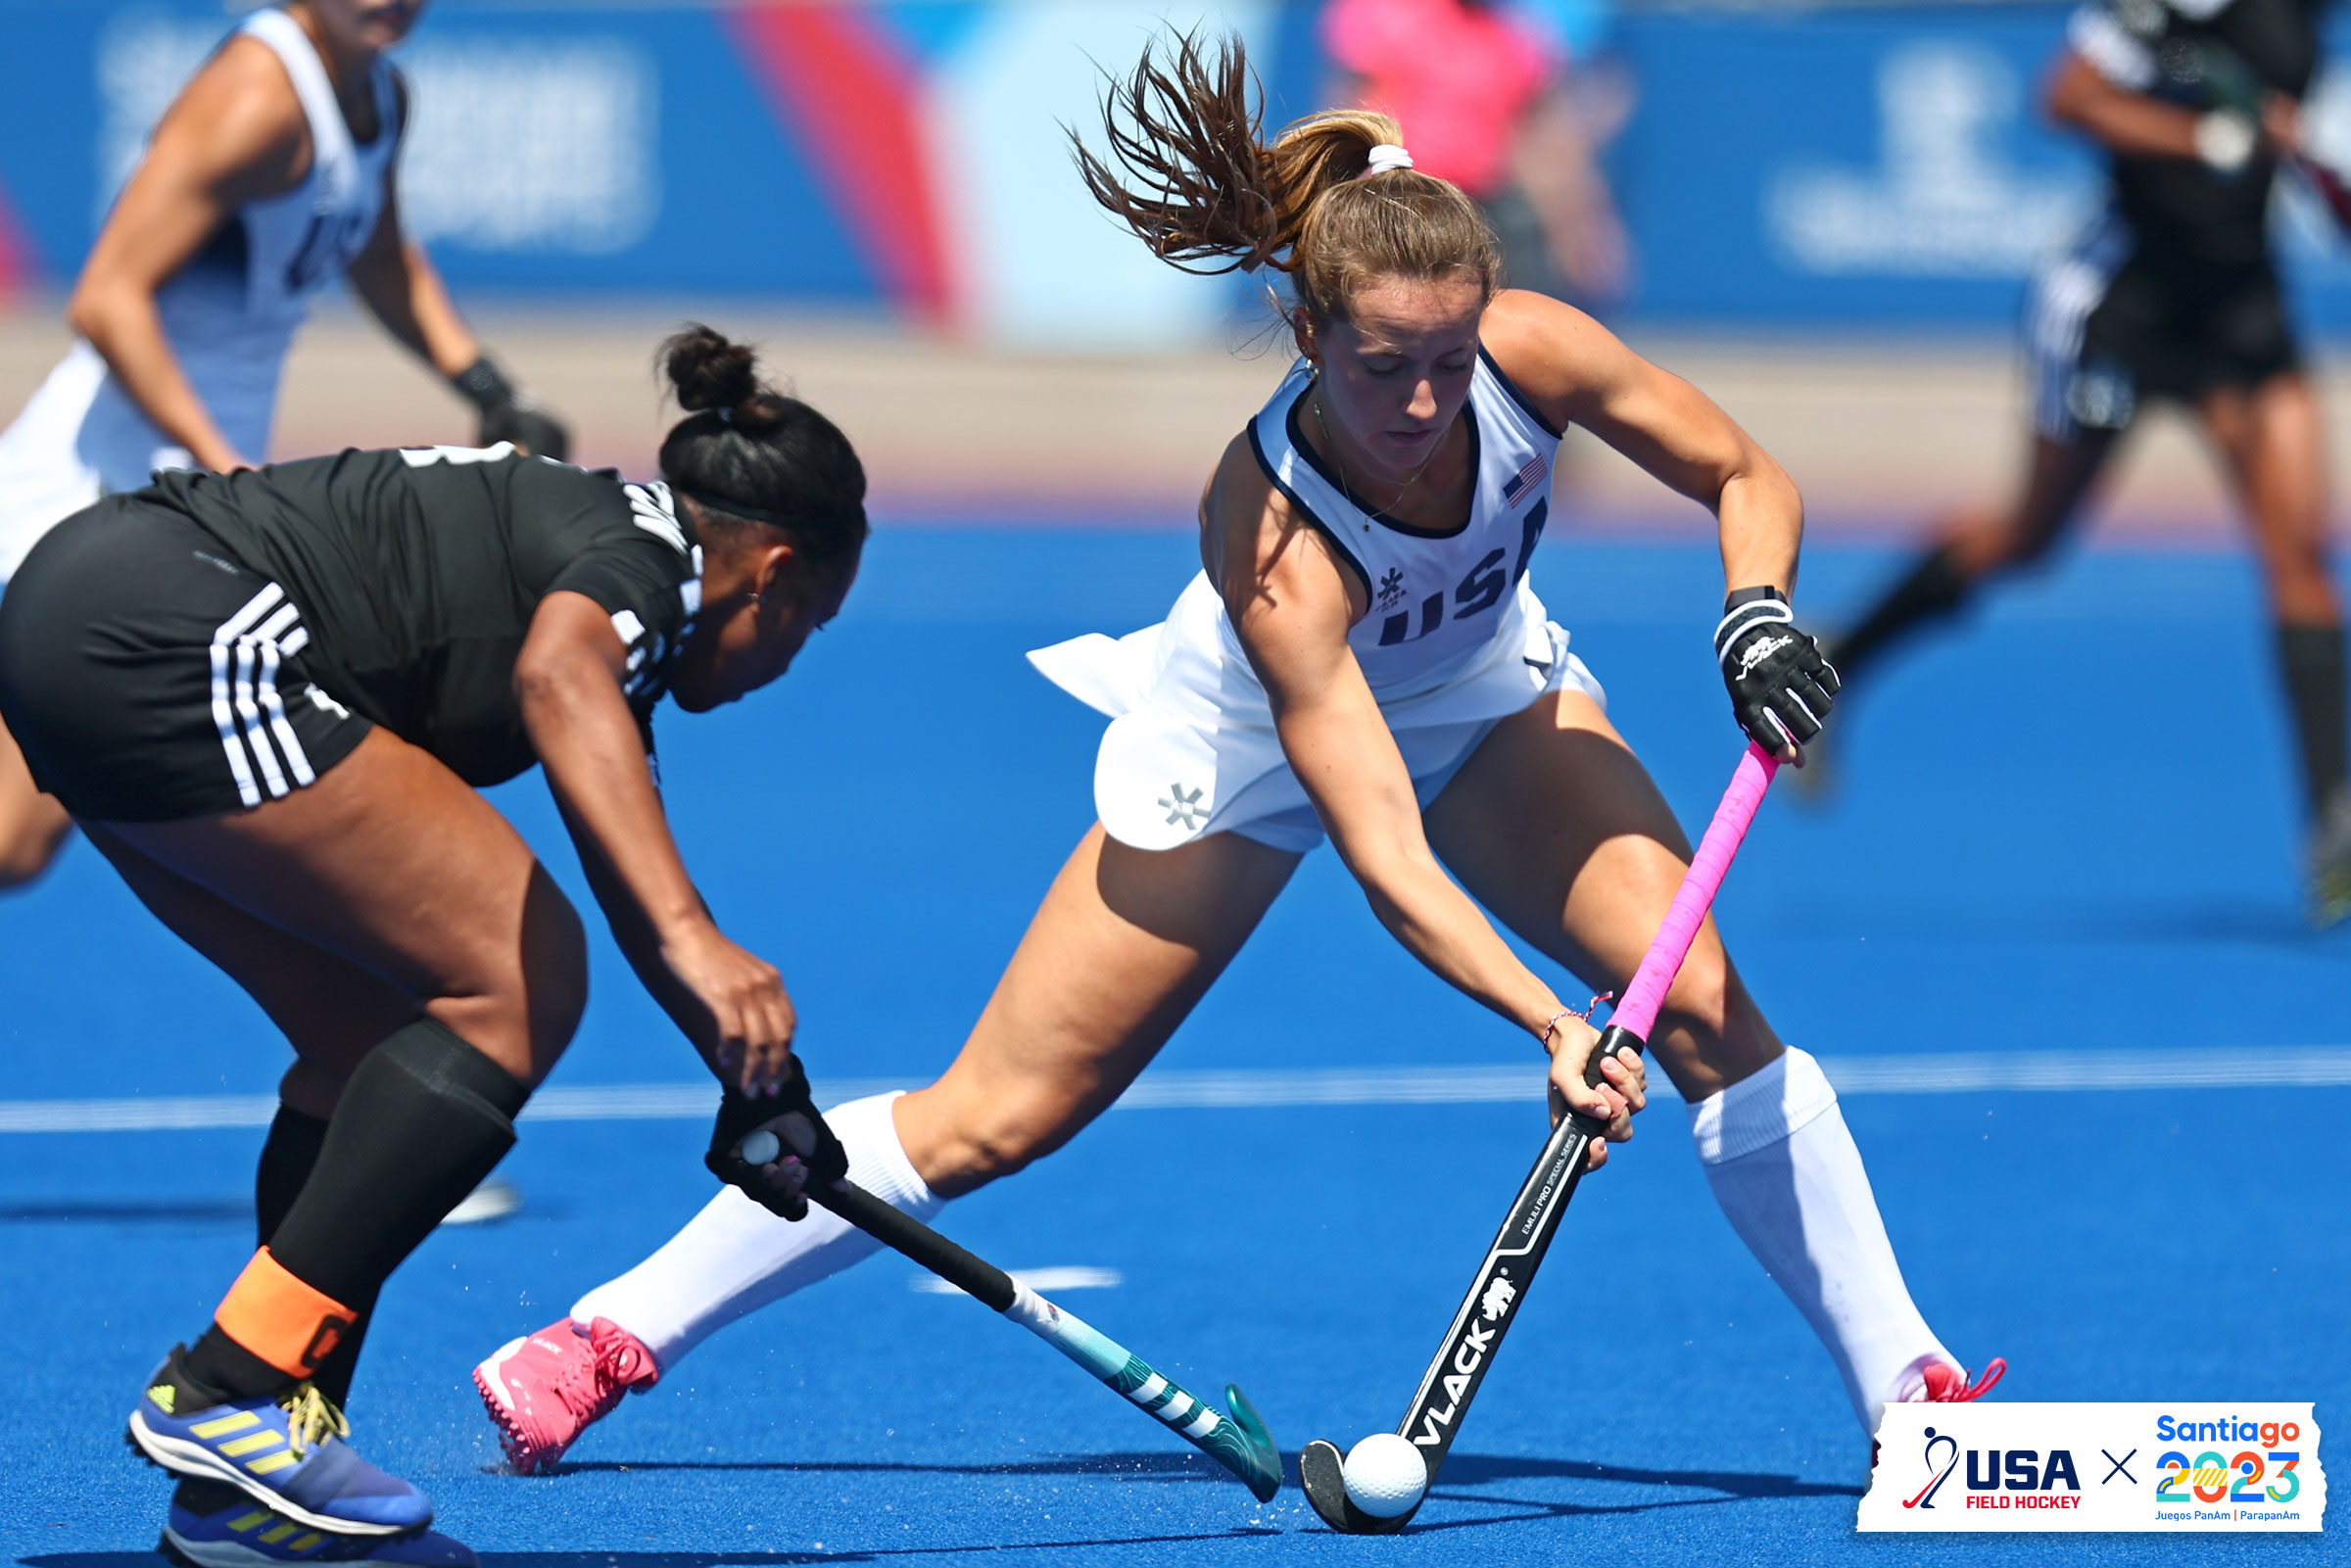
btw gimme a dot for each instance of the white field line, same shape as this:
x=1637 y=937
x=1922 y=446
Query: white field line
x=1956 y=1073
x=1045 y=1281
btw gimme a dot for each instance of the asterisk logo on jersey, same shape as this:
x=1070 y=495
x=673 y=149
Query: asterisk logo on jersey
x=1185 y=809
x=1498 y=1299
x=1391 y=587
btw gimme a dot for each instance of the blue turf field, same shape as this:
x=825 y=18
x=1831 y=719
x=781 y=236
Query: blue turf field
x=2111 y=871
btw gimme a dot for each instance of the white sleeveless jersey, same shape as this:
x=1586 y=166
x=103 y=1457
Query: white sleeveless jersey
x=1454 y=642
x=1436 y=598
x=229 y=314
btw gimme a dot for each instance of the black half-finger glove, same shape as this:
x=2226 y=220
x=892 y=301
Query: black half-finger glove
x=1780 y=686
x=508 y=413
x=740 y=1113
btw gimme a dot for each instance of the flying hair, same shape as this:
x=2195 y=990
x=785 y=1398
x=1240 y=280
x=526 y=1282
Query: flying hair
x=1187 y=169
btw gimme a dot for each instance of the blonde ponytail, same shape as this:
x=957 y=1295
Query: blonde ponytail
x=1193 y=181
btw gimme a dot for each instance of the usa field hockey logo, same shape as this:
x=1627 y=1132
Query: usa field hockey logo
x=1938 y=1467
x=2228 y=1469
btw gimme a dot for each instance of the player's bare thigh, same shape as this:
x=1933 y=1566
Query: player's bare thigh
x=332 y=1011
x=396 y=865
x=1125 y=944
x=32 y=824
x=1555 y=828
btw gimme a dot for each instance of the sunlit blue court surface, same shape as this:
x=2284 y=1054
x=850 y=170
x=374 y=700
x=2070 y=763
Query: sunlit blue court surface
x=2093 y=862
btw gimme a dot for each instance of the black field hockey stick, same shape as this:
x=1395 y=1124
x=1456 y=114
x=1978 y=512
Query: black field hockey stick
x=1238 y=1442
x=1434 y=1418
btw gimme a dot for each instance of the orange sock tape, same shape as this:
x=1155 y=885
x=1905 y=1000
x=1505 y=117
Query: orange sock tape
x=288 y=1324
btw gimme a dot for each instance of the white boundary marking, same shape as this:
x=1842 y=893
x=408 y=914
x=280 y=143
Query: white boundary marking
x=1067 y=1277
x=1955 y=1072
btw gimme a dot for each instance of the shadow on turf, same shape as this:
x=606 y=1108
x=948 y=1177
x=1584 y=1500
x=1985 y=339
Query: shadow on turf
x=1133 y=1466
x=702 y=1559
x=129 y=1211
x=1461 y=1470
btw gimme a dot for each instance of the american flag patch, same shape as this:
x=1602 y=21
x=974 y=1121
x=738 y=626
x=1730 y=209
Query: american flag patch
x=1526 y=479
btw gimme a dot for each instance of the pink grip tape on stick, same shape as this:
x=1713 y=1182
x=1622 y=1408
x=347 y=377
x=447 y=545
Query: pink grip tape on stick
x=1638 y=1013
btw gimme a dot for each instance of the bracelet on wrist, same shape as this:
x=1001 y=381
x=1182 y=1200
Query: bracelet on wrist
x=1551 y=1025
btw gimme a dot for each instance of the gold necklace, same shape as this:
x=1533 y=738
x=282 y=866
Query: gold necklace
x=1332 y=441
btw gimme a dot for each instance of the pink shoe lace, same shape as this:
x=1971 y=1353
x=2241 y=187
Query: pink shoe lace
x=616 y=1363
x=1948 y=1385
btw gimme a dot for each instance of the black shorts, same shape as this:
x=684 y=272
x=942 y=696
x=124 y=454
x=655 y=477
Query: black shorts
x=2119 y=320
x=149 y=678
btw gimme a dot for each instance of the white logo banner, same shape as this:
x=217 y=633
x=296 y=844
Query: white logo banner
x=2204 y=1465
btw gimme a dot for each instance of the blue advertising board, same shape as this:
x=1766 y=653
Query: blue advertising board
x=1861 y=166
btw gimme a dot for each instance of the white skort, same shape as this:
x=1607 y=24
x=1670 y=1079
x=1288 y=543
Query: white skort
x=1191 y=750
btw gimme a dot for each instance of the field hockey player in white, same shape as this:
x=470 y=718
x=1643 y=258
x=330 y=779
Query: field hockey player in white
x=1363 y=656
x=270 y=176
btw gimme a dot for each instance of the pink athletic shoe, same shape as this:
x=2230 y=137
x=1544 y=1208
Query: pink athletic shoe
x=544 y=1390
x=1948 y=1385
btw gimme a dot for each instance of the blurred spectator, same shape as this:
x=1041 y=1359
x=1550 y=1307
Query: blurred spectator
x=1486 y=100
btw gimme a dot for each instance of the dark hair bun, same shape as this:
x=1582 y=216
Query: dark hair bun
x=712 y=372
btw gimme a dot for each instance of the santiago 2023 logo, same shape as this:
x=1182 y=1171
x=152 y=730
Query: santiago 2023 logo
x=2235 y=1467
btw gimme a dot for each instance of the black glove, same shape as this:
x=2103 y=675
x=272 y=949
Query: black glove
x=1779 y=684
x=508 y=413
x=740 y=1113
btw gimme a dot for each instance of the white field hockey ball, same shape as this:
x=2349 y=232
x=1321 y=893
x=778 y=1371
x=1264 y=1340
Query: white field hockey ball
x=1384 y=1475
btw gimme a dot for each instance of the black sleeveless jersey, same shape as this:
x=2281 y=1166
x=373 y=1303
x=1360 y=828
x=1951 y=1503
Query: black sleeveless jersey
x=418 y=571
x=2201 y=55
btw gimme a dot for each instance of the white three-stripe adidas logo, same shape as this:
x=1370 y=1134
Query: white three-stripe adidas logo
x=246 y=654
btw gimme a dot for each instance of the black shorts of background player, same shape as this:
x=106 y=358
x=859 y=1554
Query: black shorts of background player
x=2174 y=293
x=271 y=699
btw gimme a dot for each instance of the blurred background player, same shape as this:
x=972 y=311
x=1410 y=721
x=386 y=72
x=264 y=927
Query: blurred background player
x=2173 y=292
x=1485 y=96
x=1362 y=657
x=401 y=630
x=271 y=175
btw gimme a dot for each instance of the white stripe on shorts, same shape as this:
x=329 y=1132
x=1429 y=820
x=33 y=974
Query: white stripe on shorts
x=247 y=652
x=2063 y=296
x=225 y=718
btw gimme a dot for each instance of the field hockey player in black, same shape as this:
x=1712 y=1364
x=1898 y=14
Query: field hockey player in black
x=2171 y=293
x=270 y=698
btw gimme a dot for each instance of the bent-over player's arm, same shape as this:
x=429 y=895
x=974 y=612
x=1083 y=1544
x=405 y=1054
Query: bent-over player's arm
x=236 y=135
x=567 y=680
x=1578 y=372
x=1291 y=601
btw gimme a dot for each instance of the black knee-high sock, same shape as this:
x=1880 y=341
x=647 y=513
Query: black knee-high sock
x=422 y=1120
x=2311 y=657
x=1932 y=589
x=287 y=1157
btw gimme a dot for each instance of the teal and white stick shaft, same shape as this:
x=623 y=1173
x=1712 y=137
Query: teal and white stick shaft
x=1113 y=1363
x=1238 y=1442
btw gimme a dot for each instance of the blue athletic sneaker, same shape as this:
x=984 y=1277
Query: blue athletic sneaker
x=214 y=1525
x=285 y=1450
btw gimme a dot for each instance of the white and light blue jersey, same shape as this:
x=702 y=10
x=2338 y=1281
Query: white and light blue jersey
x=1436 y=598
x=229 y=314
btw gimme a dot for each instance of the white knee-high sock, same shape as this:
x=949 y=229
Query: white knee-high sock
x=735 y=1257
x=1785 y=1169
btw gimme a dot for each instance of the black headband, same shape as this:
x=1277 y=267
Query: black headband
x=762 y=515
